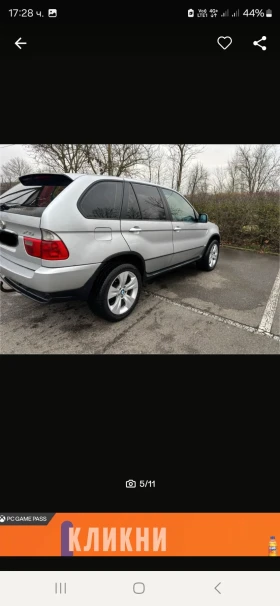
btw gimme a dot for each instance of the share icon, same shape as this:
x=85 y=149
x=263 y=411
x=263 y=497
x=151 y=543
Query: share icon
x=256 y=43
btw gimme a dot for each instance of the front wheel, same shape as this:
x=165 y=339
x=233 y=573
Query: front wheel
x=118 y=293
x=210 y=257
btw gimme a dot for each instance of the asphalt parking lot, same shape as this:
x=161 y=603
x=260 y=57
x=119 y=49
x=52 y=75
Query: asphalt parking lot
x=233 y=310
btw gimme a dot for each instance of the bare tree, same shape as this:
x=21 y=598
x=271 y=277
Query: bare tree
x=148 y=161
x=14 y=168
x=118 y=159
x=197 y=179
x=181 y=155
x=233 y=176
x=257 y=167
x=220 y=180
x=226 y=178
x=60 y=157
x=173 y=167
x=157 y=168
x=148 y=171
x=158 y=163
x=161 y=168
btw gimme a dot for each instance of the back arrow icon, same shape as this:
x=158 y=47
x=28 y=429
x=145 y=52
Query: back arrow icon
x=217 y=589
x=18 y=43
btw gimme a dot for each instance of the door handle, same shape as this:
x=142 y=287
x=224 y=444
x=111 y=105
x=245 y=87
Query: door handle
x=135 y=229
x=177 y=228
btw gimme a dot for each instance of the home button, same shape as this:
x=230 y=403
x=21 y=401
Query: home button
x=138 y=587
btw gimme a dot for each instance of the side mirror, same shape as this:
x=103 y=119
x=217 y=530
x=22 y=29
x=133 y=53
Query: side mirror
x=203 y=218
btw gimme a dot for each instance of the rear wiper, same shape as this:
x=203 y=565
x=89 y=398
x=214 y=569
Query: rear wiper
x=8 y=206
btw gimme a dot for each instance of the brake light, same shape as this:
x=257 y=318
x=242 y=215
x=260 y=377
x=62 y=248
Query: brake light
x=54 y=251
x=49 y=248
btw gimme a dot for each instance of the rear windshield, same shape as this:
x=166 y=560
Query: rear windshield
x=30 y=200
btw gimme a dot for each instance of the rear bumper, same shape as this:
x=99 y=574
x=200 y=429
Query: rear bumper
x=47 y=284
x=46 y=297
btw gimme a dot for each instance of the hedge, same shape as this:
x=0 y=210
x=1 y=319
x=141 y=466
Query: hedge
x=245 y=220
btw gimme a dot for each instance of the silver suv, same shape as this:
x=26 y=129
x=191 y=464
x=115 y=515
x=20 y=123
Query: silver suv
x=97 y=238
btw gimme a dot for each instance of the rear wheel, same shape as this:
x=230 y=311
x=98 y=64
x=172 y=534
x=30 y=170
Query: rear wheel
x=117 y=293
x=210 y=257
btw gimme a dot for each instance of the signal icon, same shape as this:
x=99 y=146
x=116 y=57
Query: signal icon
x=226 y=13
x=236 y=14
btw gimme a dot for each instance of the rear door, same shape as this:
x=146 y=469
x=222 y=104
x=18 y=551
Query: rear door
x=21 y=209
x=145 y=225
x=189 y=236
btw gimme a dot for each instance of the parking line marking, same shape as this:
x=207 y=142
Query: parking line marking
x=219 y=318
x=270 y=310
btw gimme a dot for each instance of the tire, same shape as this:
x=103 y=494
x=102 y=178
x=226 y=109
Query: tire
x=117 y=280
x=209 y=259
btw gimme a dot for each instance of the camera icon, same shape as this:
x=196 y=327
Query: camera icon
x=130 y=484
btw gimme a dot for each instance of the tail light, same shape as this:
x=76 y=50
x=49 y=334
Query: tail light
x=50 y=247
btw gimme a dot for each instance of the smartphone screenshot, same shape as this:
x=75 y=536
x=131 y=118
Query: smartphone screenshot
x=139 y=306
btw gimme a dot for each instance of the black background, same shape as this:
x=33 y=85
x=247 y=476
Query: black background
x=202 y=427
x=81 y=77
x=152 y=77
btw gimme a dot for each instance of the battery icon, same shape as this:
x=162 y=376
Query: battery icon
x=269 y=13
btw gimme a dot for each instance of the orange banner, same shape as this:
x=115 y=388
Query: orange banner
x=134 y=534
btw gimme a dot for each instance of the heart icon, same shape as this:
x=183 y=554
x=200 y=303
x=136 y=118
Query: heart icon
x=224 y=41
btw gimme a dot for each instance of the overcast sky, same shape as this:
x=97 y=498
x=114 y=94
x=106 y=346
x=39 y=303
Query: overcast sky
x=211 y=157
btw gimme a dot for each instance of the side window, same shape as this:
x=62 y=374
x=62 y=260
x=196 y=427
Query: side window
x=132 y=210
x=150 y=202
x=102 y=201
x=180 y=209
